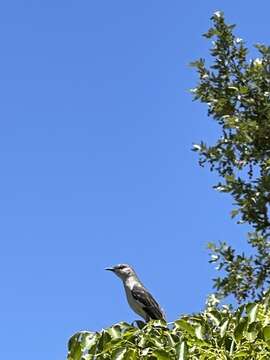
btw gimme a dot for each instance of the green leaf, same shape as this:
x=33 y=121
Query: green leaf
x=114 y=331
x=224 y=327
x=266 y=333
x=76 y=352
x=74 y=347
x=125 y=326
x=200 y=331
x=239 y=329
x=131 y=354
x=241 y=354
x=104 y=341
x=253 y=330
x=162 y=354
x=159 y=323
x=119 y=354
x=214 y=315
x=145 y=351
x=184 y=325
x=88 y=357
x=252 y=310
x=91 y=344
x=170 y=340
x=234 y=212
x=182 y=351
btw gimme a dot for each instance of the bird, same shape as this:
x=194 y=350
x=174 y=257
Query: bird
x=138 y=297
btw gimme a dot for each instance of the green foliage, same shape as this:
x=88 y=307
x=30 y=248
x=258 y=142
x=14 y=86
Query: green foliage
x=237 y=93
x=215 y=334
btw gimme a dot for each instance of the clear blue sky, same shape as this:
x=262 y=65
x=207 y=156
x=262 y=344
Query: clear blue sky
x=96 y=168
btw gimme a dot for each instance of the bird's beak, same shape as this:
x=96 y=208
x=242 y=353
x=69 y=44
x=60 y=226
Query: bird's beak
x=109 y=268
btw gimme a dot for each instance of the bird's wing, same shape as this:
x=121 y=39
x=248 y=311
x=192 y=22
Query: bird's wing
x=148 y=303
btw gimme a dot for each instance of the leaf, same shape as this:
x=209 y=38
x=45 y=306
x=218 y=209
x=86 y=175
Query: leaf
x=234 y=212
x=252 y=310
x=241 y=354
x=253 y=330
x=266 y=333
x=196 y=147
x=182 y=352
x=170 y=340
x=125 y=326
x=74 y=347
x=233 y=88
x=90 y=343
x=214 y=315
x=76 y=352
x=199 y=332
x=239 y=329
x=145 y=351
x=128 y=335
x=131 y=354
x=162 y=354
x=157 y=342
x=104 y=341
x=114 y=331
x=184 y=325
x=224 y=327
x=159 y=323
x=88 y=357
x=119 y=354
x=211 y=246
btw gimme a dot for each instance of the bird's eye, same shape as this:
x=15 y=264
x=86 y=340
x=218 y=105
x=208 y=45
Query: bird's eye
x=120 y=267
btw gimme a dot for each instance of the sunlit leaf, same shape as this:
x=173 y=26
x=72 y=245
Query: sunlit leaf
x=214 y=315
x=252 y=310
x=266 y=333
x=184 y=325
x=224 y=327
x=199 y=332
x=114 y=331
x=119 y=354
x=182 y=353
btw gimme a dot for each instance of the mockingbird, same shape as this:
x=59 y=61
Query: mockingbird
x=139 y=299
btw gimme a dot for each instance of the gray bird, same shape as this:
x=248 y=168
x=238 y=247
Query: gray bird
x=139 y=299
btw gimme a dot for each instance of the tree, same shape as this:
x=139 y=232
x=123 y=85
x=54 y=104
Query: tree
x=237 y=93
x=214 y=334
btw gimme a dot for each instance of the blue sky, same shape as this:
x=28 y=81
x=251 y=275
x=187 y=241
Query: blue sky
x=96 y=169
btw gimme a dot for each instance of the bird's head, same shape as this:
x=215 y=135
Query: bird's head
x=122 y=270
